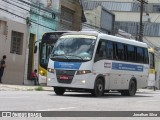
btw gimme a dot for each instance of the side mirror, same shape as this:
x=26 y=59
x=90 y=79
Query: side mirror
x=35 y=49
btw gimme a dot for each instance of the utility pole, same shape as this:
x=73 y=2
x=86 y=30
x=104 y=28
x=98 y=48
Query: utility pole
x=141 y=27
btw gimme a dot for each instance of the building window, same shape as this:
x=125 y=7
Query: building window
x=3 y=26
x=156 y=8
x=67 y=18
x=72 y=1
x=16 y=42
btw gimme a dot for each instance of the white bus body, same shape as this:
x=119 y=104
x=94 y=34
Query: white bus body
x=102 y=71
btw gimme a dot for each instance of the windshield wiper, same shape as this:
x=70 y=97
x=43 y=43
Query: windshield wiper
x=76 y=56
x=59 y=56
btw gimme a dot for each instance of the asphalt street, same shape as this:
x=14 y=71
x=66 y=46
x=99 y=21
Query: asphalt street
x=72 y=101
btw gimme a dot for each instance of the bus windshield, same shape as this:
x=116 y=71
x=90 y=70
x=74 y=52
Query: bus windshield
x=46 y=50
x=74 y=48
x=47 y=44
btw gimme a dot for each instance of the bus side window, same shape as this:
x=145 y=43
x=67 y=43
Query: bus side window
x=120 y=51
x=100 y=53
x=131 y=55
x=139 y=55
x=109 y=50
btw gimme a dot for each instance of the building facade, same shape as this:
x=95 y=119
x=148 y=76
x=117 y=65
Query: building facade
x=71 y=13
x=47 y=16
x=22 y=24
x=127 y=17
x=100 y=19
x=13 y=39
x=43 y=17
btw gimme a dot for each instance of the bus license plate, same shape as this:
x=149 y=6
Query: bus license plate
x=63 y=77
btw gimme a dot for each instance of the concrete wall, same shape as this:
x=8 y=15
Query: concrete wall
x=93 y=16
x=12 y=13
x=14 y=71
x=100 y=18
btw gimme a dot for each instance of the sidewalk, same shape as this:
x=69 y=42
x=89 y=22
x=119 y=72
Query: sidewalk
x=7 y=87
x=148 y=90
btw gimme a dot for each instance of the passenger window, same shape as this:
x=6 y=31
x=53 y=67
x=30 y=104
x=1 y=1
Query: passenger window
x=131 y=53
x=139 y=55
x=100 y=53
x=120 y=51
x=109 y=50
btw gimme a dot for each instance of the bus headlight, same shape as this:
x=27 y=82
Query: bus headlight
x=42 y=72
x=79 y=72
x=50 y=70
x=49 y=79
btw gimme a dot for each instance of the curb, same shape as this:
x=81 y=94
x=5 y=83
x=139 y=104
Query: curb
x=4 y=87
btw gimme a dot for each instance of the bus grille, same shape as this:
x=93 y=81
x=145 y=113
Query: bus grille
x=65 y=76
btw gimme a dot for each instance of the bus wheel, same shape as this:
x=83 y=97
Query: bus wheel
x=132 y=89
x=98 y=88
x=59 y=91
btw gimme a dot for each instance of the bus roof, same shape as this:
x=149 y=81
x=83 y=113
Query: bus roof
x=109 y=37
x=57 y=32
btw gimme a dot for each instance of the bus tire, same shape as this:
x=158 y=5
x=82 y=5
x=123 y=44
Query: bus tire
x=59 y=91
x=131 y=90
x=98 y=88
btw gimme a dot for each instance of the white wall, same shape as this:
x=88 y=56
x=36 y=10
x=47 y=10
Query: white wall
x=12 y=7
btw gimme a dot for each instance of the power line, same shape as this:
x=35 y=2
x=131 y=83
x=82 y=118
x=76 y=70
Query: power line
x=31 y=10
x=28 y=10
x=27 y=4
x=49 y=11
x=11 y=9
x=26 y=19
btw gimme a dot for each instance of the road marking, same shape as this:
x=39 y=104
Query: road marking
x=57 y=109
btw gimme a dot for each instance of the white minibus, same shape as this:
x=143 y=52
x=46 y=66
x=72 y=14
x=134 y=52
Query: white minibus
x=98 y=63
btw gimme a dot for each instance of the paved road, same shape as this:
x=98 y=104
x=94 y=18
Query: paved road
x=48 y=101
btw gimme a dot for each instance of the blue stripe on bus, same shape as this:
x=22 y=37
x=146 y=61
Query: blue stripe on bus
x=128 y=67
x=67 y=65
